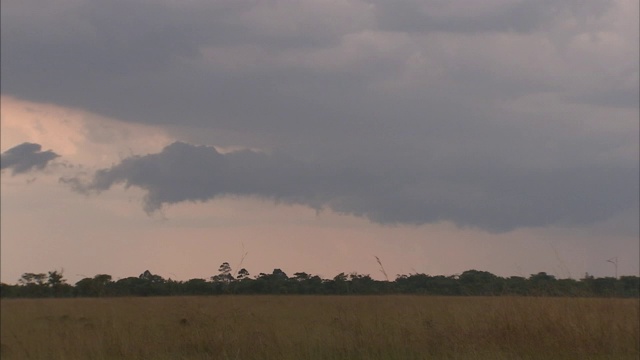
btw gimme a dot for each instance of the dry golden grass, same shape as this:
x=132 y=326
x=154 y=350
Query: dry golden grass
x=314 y=327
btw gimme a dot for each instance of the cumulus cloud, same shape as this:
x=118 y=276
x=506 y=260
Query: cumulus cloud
x=26 y=157
x=184 y=172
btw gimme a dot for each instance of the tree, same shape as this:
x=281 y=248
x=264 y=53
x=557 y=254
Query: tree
x=361 y=284
x=278 y=281
x=603 y=286
x=279 y=274
x=474 y=282
x=26 y=279
x=58 y=284
x=542 y=284
x=301 y=276
x=340 y=284
x=96 y=286
x=55 y=279
x=32 y=279
x=630 y=285
x=243 y=274
x=102 y=279
x=147 y=275
x=33 y=285
x=197 y=287
x=516 y=285
x=7 y=290
x=84 y=287
x=224 y=268
x=224 y=275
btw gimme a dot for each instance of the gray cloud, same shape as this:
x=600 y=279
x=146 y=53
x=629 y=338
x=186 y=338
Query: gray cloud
x=614 y=96
x=183 y=172
x=26 y=157
x=203 y=61
x=486 y=16
x=497 y=114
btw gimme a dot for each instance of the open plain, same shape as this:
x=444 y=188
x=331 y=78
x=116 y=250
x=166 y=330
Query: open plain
x=321 y=327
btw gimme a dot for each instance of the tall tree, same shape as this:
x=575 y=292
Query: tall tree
x=55 y=279
x=224 y=274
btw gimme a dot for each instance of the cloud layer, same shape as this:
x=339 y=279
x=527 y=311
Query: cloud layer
x=498 y=114
x=26 y=157
x=183 y=172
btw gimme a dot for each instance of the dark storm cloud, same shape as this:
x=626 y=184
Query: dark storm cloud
x=401 y=112
x=183 y=172
x=143 y=61
x=26 y=157
x=139 y=60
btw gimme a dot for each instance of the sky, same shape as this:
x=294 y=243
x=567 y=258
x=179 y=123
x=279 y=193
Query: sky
x=172 y=136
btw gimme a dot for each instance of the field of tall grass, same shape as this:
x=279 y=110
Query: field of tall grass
x=320 y=327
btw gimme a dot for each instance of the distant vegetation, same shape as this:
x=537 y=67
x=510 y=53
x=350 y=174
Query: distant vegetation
x=469 y=283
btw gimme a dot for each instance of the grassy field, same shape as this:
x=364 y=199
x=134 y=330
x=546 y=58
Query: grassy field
x=316 y=327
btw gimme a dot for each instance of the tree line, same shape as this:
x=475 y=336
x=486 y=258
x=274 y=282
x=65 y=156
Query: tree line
x=469 y=283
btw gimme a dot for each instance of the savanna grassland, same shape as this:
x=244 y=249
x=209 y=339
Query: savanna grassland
x=321 y=327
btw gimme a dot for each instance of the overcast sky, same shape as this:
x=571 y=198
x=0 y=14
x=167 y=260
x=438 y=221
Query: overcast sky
x=497 y=135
